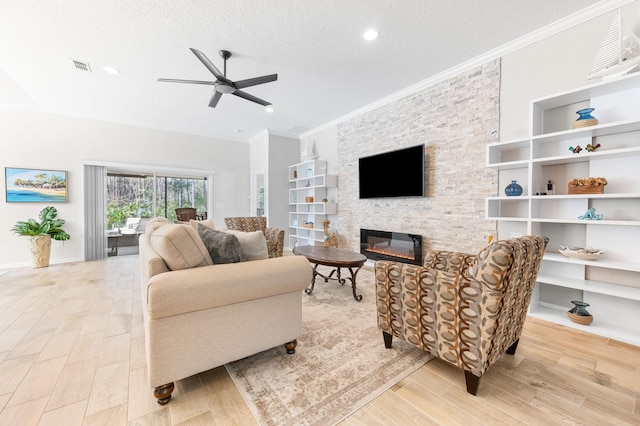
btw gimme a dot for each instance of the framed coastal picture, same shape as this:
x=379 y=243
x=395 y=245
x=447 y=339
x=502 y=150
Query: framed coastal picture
x=35 y=185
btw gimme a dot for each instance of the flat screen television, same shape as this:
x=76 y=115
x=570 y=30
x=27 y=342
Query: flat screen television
x=398 y=173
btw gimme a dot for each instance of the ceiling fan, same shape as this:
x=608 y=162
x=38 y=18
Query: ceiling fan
x=224 y=85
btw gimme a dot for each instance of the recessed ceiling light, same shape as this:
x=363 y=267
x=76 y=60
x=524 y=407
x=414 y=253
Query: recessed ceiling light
x=370 y=34
x=111 y=70
x=269 y=108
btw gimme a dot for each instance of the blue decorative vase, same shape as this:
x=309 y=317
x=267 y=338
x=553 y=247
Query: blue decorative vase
x=585 y=118
x=513 y=189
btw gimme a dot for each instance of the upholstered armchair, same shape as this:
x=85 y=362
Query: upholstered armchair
x=464 y=309
x=274 y=236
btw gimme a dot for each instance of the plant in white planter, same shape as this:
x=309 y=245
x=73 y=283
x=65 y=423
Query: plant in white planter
x=41 y=233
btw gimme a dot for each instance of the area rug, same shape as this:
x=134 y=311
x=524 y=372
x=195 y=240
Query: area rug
x=340 y=363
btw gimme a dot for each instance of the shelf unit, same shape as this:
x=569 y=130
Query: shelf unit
x=610 y=284
x=309 y=179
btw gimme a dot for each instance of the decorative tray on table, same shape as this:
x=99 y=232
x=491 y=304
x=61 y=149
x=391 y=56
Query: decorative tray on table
x=586 y=253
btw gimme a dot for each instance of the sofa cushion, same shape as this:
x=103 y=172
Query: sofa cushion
x=180 y=246
x=254 y=244
x=222 y=246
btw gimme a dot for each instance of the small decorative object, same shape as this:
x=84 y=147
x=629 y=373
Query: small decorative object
x=575 y=150
x=329 y=240
x=308 y=224
x=591 y=148
x=324 y=200
x=586 y=253
x=579 y=313
x=295 y=174
x=585 y=119
x=551 y=188
x=41 y=233
x=308 y=199
x=309 y=172
x=590 y=185
x=513 y=189
x=591 y=215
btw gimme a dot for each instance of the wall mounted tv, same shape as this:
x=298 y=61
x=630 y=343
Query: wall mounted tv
x=397 y=173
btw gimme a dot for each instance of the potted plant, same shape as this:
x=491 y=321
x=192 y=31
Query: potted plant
x=41 y=233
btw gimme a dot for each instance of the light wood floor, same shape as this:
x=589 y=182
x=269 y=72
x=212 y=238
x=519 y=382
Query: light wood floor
x=72 y=353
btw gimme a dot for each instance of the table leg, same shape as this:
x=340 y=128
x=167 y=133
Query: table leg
x=358 y=297
x=309 y=290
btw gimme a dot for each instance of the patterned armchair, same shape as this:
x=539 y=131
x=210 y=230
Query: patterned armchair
x=274 y=236
x=465 y=309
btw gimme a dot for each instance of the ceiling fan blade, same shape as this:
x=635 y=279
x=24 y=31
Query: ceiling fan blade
x=173 y=80
x=215 y=98
x=207 y=63
x=255 y=81
x=251 y=98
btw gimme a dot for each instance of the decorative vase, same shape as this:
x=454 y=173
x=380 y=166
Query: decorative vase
x=585 y=118
x=579 y=313
x=513 y=189
x=40 y=248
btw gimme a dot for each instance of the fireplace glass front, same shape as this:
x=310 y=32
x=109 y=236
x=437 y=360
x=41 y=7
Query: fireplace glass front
x=386 y=245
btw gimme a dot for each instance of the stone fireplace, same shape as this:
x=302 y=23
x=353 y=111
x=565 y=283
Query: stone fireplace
x=386 y=245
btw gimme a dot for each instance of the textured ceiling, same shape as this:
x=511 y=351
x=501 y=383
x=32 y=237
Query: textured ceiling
x=325 y=68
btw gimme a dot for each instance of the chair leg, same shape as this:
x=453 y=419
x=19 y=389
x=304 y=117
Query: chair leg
x=472 y=382
x=512 y=349
x=388 y=338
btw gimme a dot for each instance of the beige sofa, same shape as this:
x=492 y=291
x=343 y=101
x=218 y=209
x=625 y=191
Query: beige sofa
x=198 y=316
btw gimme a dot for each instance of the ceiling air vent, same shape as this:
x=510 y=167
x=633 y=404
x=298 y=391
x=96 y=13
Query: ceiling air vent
x=81 y=66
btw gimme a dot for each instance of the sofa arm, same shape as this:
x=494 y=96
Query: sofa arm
x=206 y=287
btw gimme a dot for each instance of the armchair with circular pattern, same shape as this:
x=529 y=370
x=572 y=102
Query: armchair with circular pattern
x=464 y=309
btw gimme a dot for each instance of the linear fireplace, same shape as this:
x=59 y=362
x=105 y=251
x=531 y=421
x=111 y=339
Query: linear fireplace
x=398 y=246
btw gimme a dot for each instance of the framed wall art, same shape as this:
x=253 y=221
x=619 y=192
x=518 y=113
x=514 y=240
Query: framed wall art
x=35 y=185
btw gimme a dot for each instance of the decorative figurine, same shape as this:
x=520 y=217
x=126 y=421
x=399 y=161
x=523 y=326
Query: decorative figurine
x=591 y=215
x=329 y=240
x=575 y=150
x=592 y=148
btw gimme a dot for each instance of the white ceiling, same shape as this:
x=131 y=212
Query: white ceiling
x=325 y=68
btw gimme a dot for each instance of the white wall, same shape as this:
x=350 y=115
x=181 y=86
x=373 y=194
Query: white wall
x=47 y=141
x=556 y=64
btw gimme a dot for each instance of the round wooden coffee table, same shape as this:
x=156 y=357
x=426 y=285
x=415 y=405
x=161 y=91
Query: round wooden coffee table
x=336 y=258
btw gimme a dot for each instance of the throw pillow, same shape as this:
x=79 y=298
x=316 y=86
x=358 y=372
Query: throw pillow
x=180 y=246
x=254 y=244
x=207 y=222
x=222 y=247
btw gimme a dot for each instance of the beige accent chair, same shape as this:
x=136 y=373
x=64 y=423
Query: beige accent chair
x=198 y=316
x=464 y=309
x=274 y=236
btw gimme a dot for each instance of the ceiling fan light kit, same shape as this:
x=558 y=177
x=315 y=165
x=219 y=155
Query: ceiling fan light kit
x=223 y=85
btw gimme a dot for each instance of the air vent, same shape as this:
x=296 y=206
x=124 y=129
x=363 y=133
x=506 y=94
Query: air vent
x=81 y=66
x=298 y=130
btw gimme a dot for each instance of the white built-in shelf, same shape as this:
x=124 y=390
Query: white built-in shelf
x=545 y=155
x=309 y=179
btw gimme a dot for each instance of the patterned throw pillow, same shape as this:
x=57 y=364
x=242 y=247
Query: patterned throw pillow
x=222 y=247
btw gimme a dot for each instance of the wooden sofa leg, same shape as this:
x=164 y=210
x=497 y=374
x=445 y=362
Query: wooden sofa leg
x=512 y=349
x=388 y=338
x=163 y=393
x=291 y=346
x=472 y=382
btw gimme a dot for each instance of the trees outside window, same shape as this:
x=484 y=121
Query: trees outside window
x=131 y=195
